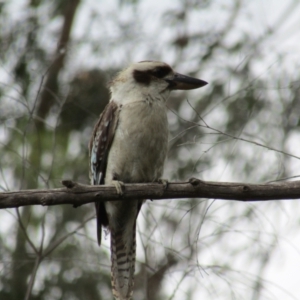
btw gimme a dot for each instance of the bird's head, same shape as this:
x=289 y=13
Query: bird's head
x=151 y=79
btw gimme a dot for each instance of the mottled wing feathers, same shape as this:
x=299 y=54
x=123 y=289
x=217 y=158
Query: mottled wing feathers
x=99 y=146
x=101 y=141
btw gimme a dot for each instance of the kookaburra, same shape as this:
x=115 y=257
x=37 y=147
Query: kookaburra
x=129 y=144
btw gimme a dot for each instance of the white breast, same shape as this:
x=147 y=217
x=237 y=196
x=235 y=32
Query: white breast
x=140 y=144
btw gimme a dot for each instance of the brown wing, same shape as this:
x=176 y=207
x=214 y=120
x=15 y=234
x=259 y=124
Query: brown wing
x=99 y=147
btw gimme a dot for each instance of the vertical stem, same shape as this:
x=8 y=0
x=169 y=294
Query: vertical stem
x=32 y=278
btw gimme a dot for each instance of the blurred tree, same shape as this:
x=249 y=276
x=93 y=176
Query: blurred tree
x=56 y=60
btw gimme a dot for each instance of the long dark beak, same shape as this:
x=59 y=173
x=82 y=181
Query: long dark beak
x=183 y=82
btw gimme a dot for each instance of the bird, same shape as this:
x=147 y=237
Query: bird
x=129 y=145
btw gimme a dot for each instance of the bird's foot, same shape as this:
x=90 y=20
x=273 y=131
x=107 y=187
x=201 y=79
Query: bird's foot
x=164 y=182
x=119 y=185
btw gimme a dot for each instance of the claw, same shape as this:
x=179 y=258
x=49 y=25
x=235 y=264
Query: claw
x=119 y=185
x=164 y=182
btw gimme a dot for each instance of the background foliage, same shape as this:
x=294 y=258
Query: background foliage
x=56 y=60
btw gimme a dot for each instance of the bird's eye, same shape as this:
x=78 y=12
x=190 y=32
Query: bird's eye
x=158 y=72
x=161 y=72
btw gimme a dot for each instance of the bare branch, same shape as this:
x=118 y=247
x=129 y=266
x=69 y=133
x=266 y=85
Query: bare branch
x=25 y=232
x=32 y=277
x=79 y=194
x=50 y=89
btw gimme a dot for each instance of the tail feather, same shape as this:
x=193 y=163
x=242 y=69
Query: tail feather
x=102 y=219
x=123 y=245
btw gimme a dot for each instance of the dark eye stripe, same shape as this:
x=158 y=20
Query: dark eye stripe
x=160 y=72
x=144 y=77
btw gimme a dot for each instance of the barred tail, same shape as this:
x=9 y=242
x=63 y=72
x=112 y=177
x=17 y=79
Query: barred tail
x=123 y=247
